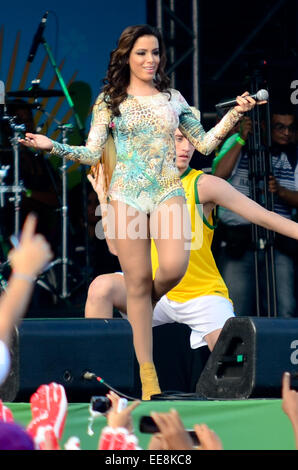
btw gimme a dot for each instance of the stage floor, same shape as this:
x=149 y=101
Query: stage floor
x=252 y=424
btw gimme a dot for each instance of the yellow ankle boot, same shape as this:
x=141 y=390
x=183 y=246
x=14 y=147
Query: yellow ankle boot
x=150 y=385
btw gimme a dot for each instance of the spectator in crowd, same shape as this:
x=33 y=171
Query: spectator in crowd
x=173 y=435
x=235 y=255
x=14 y=437
x=49 y=411
x=118 y=434
x=27 y=261
x=290 y=404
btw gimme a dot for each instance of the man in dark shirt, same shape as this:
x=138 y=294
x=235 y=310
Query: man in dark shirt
x=235 y=255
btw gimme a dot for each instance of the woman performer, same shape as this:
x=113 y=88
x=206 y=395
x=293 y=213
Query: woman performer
x=140 y=112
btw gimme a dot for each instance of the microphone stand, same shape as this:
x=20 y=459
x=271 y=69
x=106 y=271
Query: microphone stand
x=253 y=184
x=64 y=260
x=17 y=188
x=270 y=206
x=3 y=264
x=64 y=89
x=65 y=128
x=83 y=139
x=260 y=165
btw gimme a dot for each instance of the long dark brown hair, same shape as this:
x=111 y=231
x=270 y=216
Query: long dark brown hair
x=118 y=74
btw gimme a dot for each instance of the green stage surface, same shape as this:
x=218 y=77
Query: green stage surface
x=241 y=424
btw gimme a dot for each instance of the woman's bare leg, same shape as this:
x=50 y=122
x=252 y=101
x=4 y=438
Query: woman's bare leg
x=106 y=292
x=134 y=256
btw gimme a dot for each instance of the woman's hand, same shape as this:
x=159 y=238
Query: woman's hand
x=246 y=103
x=37 y=141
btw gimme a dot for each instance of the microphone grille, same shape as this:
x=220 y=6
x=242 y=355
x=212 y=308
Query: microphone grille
x=262 y=95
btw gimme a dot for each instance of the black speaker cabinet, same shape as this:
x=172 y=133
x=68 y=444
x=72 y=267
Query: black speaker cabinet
x=249 y=359
x=62 y=350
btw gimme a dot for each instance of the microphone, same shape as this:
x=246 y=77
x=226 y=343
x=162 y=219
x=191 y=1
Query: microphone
x=87 y=375
x=38 y=37
x=261 y=95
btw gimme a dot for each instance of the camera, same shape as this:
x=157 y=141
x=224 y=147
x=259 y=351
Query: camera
x=100 y=404
x=148 y=425
x=103 y=404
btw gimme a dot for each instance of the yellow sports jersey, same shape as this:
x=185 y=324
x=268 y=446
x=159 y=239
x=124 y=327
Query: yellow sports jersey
x=202 y=276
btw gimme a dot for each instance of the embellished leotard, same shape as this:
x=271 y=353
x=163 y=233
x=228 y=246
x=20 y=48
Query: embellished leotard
x=145 y=173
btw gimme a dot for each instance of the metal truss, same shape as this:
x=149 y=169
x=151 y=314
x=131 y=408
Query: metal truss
x=168 y=22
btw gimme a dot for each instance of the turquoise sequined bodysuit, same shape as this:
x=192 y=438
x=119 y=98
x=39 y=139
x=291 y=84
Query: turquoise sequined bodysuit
x=145 y=173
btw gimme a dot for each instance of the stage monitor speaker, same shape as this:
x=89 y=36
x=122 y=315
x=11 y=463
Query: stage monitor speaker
x=62 y=350
x=249 y=359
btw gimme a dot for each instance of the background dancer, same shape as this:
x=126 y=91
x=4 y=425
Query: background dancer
x=201 y=299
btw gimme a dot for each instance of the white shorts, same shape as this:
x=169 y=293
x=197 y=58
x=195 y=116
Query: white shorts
x=202 y=314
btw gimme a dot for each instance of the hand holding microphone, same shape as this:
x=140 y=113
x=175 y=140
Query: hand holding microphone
x=245 y=102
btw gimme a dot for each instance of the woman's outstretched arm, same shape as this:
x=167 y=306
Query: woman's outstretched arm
x=89 y=154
